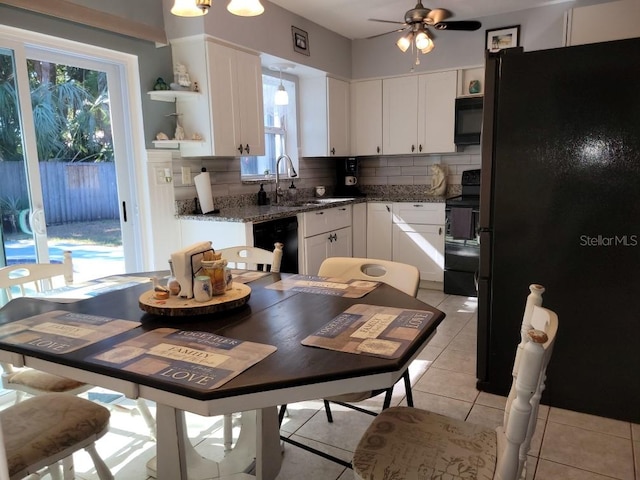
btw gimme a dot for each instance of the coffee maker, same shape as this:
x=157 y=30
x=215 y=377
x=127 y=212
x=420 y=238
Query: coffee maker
x=347 y=178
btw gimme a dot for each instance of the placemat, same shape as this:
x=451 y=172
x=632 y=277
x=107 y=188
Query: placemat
x=62 y=332
x=371 y=330
x=246 y=276
x=91 y=288
x=325 y=286
x=198 y=360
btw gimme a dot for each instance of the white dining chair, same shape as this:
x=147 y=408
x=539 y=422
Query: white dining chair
x=246 y=257
x=40 y=432
x=402 y=276
x=251 y=257
x=407 y=443
x=39 y=278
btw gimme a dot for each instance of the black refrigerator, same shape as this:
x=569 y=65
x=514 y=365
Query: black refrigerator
x=560 y=206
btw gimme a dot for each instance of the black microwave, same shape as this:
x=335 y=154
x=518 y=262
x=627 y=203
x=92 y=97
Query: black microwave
x=468 y=123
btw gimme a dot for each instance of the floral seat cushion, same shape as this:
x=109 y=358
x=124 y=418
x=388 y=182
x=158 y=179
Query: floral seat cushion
x=405 y=443
x=46 y=425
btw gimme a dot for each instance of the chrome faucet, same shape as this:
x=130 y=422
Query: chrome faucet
x=291 y=172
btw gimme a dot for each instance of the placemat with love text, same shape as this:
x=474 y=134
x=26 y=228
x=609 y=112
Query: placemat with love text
x=198 y=360
x=371 y=330
x=62 y=332
x=325 y=286
x=246 y=276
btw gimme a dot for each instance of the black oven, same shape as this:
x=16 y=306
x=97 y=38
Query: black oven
x=462 y=241
x=468 y=121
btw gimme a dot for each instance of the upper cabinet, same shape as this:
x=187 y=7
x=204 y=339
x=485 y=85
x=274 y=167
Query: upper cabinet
x=436 y=113
x=603 y=22
x=419 y=113
x=229 y=115
x=324 y=117
x=366 y=117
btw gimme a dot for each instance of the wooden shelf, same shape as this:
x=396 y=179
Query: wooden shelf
x=171 y=95
x=174 y=143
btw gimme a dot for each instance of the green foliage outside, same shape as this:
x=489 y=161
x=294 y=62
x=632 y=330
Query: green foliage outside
x=70 y=112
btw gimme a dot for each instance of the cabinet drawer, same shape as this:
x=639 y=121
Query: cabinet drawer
x=321 y=221
x=424 y=213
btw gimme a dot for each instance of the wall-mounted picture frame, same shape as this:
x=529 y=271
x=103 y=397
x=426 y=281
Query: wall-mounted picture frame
x=300 y=41
x=501 y=38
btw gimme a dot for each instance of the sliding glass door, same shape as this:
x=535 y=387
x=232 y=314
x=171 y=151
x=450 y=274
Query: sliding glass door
x=64 y=175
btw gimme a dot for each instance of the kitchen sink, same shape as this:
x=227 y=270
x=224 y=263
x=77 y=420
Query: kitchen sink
x=318 y=201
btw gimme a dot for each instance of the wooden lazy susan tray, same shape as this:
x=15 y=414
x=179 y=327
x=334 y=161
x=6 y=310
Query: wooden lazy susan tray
x=178 y=307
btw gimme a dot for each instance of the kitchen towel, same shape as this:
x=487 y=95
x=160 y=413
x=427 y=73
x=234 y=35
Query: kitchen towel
x=203 y=187
x=461 y=225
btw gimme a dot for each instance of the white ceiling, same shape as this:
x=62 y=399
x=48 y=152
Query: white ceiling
x=350 y=17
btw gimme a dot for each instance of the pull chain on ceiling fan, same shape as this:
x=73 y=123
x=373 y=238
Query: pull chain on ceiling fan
x=418 y=20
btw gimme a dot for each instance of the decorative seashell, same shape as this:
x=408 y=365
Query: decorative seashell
x=162 y=136
x=196 y=136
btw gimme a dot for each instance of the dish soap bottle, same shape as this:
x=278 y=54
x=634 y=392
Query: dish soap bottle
x=262 y=195
x=292 y=191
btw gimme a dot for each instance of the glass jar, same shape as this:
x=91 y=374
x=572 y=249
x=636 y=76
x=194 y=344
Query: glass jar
x=172 y=282
x=216 y=271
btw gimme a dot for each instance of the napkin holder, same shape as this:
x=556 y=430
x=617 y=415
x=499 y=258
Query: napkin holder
x=185 y=263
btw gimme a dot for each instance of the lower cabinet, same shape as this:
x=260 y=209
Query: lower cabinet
x=410 y=233
x=325 y=233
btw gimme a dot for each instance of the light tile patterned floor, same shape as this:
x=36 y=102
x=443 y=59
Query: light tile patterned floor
x=567 y=445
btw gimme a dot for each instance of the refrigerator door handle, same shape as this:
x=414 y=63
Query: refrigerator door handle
x=485 y=253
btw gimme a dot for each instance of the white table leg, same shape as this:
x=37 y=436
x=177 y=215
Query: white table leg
x=177 y=459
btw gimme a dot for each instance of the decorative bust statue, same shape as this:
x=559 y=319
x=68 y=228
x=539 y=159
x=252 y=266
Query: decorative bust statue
x=438 y=180
x=181 y=76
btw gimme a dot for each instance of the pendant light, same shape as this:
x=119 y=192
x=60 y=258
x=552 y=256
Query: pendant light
x=282 y=96
x=190 y=8
x=245 y=8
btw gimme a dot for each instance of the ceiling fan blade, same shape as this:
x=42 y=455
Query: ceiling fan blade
x=385 y=21
x=385 y=33
x=468 y=25
x=436 y=16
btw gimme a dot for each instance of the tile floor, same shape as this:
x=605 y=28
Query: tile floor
x=567 y=445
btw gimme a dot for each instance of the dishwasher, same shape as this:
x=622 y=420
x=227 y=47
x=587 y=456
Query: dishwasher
x=284 y=230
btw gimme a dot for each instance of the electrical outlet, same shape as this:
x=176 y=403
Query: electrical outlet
x=186 y=176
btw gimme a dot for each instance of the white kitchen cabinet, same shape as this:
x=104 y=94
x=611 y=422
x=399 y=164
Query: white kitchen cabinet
x=359 y=226
x=229 y=115
x=379 y=231
x=603 y=22
x=436 y=114
x=366 y=117
x=399 y=115
x=324 y=114
x=418 y=237
x=325 y=233
x=418 y=113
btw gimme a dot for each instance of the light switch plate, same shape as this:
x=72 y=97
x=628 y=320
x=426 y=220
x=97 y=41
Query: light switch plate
x=186 y=176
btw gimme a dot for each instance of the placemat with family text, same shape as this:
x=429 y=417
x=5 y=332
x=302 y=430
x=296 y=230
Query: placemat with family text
x=325 y=286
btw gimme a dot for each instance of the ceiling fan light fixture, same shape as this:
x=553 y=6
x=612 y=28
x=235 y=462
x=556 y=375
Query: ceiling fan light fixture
x=422 y=40
x=245 y=8
x=404 y=42
x=430 y=46
x=190 y=8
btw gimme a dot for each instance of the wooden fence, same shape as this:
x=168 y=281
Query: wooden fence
x=72 y=192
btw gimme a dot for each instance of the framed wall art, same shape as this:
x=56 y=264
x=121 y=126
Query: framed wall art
x=505 y=37
x=300 y=41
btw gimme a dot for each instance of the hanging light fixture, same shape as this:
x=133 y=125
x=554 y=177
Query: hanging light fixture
x=418 y=36
x=282 y=97
x=245 y=8
x=190 y=8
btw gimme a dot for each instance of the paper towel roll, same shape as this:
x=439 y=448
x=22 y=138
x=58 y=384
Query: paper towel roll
x=203 y=187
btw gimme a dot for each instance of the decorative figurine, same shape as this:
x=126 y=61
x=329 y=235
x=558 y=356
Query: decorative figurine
x=179 y=135
x=196 y=87
x=161 y=84
x=196 y=136
x=181 y=78
x=438 y=180
x=162 y=136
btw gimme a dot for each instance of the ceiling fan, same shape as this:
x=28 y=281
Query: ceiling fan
x=417 y=22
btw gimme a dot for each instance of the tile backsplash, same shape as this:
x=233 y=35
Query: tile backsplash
x=377 y=174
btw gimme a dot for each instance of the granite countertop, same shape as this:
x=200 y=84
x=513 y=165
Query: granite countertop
x=261 y=213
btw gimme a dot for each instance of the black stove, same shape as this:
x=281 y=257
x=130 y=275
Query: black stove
x=462 y=243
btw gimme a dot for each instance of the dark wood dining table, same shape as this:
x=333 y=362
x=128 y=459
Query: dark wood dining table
x=294 y=372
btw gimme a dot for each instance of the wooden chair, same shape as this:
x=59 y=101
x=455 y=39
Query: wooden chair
x=42 y=431
x=252 y=257
x=399 y=275
x=413 y=444
x=38 y=278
